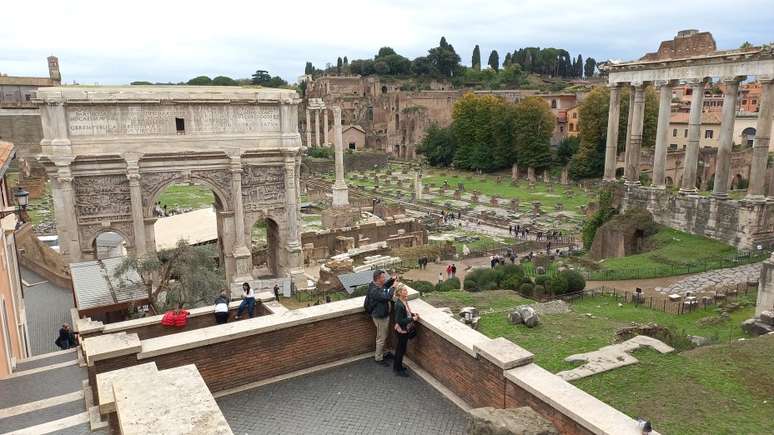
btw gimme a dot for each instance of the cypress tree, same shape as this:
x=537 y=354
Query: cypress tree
x=475 y=61
x=494 y=60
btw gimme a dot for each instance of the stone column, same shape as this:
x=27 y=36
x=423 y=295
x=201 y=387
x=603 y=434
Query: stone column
x=694 y=129
x=611 y=146
x=662 y=131
x=242 y=256
x=135 y=193
x=632 y=171
x=418 y=185
x=530 y=173
x=723 y=163
x=756 y=189
x=64 y=208
x=295 y=259
x=308 y=129
x=627 y=138
x=325 y=128
x=515 y=172
x=340 y=192
x=317 y=127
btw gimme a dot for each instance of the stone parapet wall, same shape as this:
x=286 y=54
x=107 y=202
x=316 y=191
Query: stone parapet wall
x=478 y=370
x=41 y=259
x=742 y=224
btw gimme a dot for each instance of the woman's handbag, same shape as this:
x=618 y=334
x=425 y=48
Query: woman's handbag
x=411 y=330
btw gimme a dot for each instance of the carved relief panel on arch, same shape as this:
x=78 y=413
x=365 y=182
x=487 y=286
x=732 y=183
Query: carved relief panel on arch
x=262 y=185
x=100 y=197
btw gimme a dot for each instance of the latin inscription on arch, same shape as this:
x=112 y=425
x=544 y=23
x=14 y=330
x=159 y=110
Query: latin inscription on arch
x=155 y=120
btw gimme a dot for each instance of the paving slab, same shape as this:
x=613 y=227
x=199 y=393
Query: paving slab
x=357 y=398
x=29 y=388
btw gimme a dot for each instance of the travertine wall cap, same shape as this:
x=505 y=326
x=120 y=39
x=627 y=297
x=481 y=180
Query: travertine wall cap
x=87 y=326
x=138 y=94
x=447 y=327
x=173 y=401
x=109 y=346
x=107 y=403
x=581 y=407
x=504 y=353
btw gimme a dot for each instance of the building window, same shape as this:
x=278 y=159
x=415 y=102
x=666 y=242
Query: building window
x=744 y=102
x=708 y=134
x=180 y=125
x=673 y=147
x=352 y=145
x=685 y=133
x=553 y=104
x=561 y=129
x=28 y=97
x=574 y=115
x=572 y=127
x=674 y=132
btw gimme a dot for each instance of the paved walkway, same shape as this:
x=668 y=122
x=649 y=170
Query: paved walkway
x=357 y=398
x=720 y=277
x=48 y=306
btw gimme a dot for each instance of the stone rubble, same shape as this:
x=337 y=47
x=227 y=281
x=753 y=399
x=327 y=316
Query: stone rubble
x=720 y=277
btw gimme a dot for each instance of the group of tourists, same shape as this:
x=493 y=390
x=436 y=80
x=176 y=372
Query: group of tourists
x=451 y=271
x=522 y=232
x=422 y=262
x=387 y=296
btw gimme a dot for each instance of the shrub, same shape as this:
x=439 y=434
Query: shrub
x=422 y=286
x=321 y=152
x=481 y=279
x=360 y=291
x=557 y=284
x=471 y=285
x=575 y=281
x=526 y=289
x=511 y=270
x=539 y=291
x=541 y=280
x=511 y=283
x=489 y=285
x=448 y=285
x=526 y=280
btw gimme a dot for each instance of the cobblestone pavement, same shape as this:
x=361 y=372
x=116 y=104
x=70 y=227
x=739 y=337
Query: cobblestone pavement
x=706 y=280
x=357 y=398
x=48 y=306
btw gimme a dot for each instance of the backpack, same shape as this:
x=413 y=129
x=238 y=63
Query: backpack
x=367 y=304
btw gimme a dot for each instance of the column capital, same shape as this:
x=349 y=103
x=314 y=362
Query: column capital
x=729 y=80
x=637 y=84
x=662 y=83
x=614 y=86
x=694 y=82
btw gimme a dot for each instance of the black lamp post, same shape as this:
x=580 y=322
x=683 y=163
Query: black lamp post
x=22 y=198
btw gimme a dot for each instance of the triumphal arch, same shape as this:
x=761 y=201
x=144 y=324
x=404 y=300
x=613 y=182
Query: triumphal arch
x=110 y=151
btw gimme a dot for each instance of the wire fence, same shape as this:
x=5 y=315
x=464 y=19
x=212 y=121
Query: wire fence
x=738 y=259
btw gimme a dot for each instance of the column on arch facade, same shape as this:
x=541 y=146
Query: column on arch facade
x=135 y=194
x=723 y=162
x=632 y=171
x=611 y=146
x=242 y=255
x=64 y=205
x=690 y=166
x=756 y=190
x=662 y=133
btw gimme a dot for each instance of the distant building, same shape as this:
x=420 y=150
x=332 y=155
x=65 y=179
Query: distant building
x=687 y=43
x=573 y=121
x=18 y=92
x=677 y=135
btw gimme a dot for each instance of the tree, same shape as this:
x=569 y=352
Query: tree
x=589 y=161
x=579 y=67
x=475 y=61
x=200 y=81
x=566 y=149
x=187 y=274
x=745 y=45
x=346 y=61
x=309 y=68
x=261 y=77
x=141 y=83
x=423 y=66
x=533 y=126
x=494 y=60
x=482 y=127
x=339 y=64
x=438 y=146
x=384 y=51
x=590 y=66
x=224 y=81
x=507 y=60
x=444 y=59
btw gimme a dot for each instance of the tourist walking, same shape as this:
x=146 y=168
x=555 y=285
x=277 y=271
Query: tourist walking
x=221 y=308
x=440 y=276
x=276 y=292
x=453 y=271
x=66 y=337
x=448 y=271
x=377 y=304
x=248 y=301
x=405 y=328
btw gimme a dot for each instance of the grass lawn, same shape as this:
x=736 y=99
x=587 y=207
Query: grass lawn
x=713 y=389
x=674 y=253
x=187 y=196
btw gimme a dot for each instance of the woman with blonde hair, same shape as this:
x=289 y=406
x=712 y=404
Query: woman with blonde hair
x=405 y=327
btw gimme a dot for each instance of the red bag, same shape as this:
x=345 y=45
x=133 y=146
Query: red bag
x=168 y=319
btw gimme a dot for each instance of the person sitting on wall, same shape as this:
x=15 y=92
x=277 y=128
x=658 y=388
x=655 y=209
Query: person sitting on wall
x=248 y=301
x=66 y=338
x=221 y=308
x=176 y=318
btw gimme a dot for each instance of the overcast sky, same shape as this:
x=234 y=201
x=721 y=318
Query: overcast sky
x=110 y=42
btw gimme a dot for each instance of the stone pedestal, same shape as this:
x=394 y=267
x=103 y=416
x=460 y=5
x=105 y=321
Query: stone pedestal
x=332 y=218
x=765 y=300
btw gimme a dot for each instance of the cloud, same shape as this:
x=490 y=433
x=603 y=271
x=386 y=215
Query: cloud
x=114 y=43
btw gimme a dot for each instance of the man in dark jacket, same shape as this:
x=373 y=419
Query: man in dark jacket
x=378 y=298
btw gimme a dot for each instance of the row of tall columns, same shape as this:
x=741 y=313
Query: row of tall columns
x=635 y=120
x=317 y=111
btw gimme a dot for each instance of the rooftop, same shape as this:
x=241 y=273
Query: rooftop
x=94 y=284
